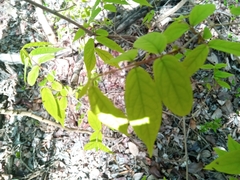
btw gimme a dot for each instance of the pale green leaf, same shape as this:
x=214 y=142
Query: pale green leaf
x=96 y=136
x=225 y=46
x=143 y=2
x=45 y=58
x=44 y=50
x=91 y=145
x=195 y=59
x=89 y=56
x=109 y=43
x=101 y=104
x=104 y=148
x=173 y=85
x=56 y=86
x=228 y=163
x=200 y=13
x=34 y=44
x=143 y=105
x=113 y=122
x=235 y=10
x=78 y=34
x=63 y=102
x=126 y=56
x=60 y=117
x=101 y=32
x=104 y=55
x=232 y=145
x=64 y=92
x=207 y=33
x=82 y=91
x=94 y=121
x=153 y=42
x=123 y=2
x=95 y=11
x=175 y=30
x=43 y=82
x=33 y=75
x=50 y=77
x=110 y=7
x=49 y=102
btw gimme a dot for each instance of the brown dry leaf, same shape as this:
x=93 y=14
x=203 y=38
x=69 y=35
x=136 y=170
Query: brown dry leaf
x=192 y=124
x=133 y=148
x=195 y=167
x=155 y=171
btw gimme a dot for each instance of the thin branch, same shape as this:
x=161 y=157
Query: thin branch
x=41 y=119
x=185 y=145
x=61 y=16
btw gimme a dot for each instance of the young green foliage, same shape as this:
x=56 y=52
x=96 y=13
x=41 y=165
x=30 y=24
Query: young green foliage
x=173 y=85
x=143 y=104
x=228 y=161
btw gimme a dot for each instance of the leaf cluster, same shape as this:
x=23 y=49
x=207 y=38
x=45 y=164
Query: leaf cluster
x=145 y=94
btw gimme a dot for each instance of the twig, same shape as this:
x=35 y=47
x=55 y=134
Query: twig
x=185 y=145
x=41 y=119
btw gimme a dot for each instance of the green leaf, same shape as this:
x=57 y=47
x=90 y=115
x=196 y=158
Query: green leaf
x=148 y=17
x=110 y=7
x=101 y=32
x=200 y=13
x=33 y=75
x=175 y=30
x=109 y=43
x=81 y=92
x=63 y=102
x=173 y=84
x=220 y=65
x=116 y=1
x=89 y=56
x=221 y=74
x=222 y=83
x=50 y=77
x=143 y=105
x=96 y=136
x=91 y=145
x=78 y=34
x=225 y=46
x=101 y=104
x=104 y=55
x=143 y=2
x=94 y=121
x=104 y=148
x=50 y=103
x=232 y=145
x=45 y=58
x=207 y=66
x=228 y=163
x=56 y=86
x=207 y=33
x=235 y=10
x=44 y=50
x=114 y=122
x=64 y=92
x=43 y=82
x=34 y=44
x=126 y=56
x=95 y=11
x=219 y=151
x=153 y=42
x=195 y=59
